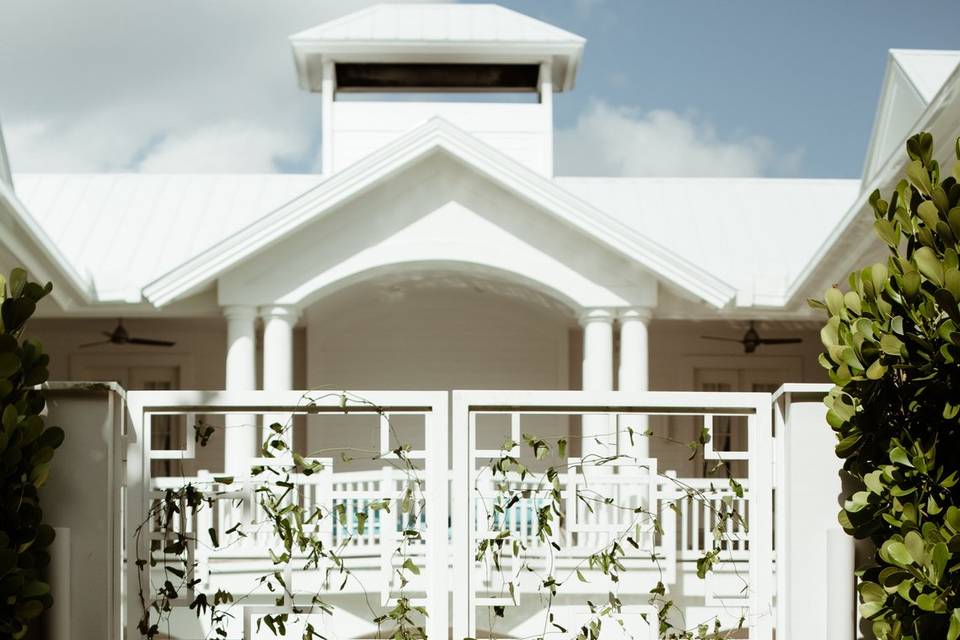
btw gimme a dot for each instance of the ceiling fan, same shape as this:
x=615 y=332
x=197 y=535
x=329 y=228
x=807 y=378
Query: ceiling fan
x=751 y=339
x=120 y=336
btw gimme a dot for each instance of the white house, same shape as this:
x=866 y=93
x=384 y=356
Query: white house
x=439 y=250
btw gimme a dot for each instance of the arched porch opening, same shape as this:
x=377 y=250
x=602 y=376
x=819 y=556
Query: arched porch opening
x=427 y=327
x=437 y=327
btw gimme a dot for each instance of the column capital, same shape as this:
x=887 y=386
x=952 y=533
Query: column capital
x=643 y=314
x=240 y=312
x=287 y=311
x=596 y=315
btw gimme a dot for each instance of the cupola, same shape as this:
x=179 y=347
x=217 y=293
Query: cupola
x=388 y=68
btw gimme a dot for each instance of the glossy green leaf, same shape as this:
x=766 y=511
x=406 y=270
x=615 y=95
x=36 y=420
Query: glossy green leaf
x=834 y=298
x=891 y=344
x=929 y=265
x=927 y=211
x=887 y=232
x=910 y=284
x=899 y=456
x=876 y=370
x=18 y=279
x=897 y=553
x=953 y=632
x=918 y=176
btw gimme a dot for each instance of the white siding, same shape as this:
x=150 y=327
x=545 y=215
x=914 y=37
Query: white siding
x=519 y=130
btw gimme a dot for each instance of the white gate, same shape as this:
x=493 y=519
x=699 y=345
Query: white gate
x=176 y=440
x=606 y=488
x=511 y=476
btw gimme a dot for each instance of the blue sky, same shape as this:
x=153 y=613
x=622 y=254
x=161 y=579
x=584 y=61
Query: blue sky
x=667 y=87
x=804 y=74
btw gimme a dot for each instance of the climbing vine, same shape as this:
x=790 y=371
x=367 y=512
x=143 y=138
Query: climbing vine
x=292 y=529
x=608 y=559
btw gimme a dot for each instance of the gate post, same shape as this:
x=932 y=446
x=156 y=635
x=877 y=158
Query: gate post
x=761 y=462
x=461 y=519
x=808 y=494
x=437 y=508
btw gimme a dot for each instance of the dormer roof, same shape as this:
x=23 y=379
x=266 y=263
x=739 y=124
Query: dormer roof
x=437 y=33
x=912 y=81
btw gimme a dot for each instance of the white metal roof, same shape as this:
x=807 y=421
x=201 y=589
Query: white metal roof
x=756 y=234
x=24 y=243
x=125 y=230
x=437 y=23
x=439 y=33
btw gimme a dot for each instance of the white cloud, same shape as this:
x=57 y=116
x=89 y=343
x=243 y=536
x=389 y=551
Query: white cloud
x=182 y=85
x=114 y=85
x=98 y=141
x=616 y=141
x=228 y=147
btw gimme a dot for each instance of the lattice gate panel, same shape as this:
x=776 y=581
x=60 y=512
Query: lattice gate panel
x=377 y=498
x=553 y=481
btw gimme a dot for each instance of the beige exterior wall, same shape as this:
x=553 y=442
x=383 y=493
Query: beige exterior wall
x=385 y=337
x=445 y=339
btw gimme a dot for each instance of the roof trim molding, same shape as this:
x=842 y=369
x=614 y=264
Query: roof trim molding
x=360 y=37
x=437 y=134
x=39 y=255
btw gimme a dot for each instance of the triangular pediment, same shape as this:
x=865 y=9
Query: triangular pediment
x=439 y=139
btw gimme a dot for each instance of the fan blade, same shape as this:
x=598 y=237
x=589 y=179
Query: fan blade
x=780 y=340
x=94 y=344
x=152 y=343
x=107 y=333
x=738 y=340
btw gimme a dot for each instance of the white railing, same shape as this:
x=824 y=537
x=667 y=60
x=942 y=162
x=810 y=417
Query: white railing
x=699 y=501
x=324 y=490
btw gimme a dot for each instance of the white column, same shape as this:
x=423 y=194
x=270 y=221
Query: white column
x=634 y=376
x=278 y=323
x=597 y=376
x=597 y=350
x=240 y=440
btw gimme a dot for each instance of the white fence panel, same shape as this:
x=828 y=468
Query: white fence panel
x=155 y=466
x=668 y=555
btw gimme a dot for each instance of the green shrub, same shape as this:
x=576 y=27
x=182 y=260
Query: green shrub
x=892 y=351
x=26 y=449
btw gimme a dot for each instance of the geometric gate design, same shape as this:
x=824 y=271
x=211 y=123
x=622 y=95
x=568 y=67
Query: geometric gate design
x=551 y=480
x=229 y=544
x=665 y=514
